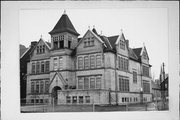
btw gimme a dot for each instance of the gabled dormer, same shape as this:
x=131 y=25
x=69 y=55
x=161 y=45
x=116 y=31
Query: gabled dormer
x=144 y=55
x=41 y=50
x=90 y=42
x=63 y=35
x=121 y=45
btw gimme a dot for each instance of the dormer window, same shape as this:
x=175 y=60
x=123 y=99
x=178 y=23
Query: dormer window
x=122 y=44
x=89 y=42
x=40 y=49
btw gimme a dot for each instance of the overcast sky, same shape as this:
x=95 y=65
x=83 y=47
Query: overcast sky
x=144 y=25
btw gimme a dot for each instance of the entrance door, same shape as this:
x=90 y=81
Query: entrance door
x=55 y=94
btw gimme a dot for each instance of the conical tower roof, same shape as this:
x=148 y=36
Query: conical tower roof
x=64 y=25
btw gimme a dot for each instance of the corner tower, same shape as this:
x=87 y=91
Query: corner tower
x=63 y=35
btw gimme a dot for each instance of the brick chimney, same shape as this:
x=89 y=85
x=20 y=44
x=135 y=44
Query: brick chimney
x=33 y=43
x=127 y=43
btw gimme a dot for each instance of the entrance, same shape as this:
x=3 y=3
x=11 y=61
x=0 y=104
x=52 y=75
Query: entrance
x=55 y=94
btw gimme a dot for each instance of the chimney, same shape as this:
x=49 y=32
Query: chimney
x=33 y=43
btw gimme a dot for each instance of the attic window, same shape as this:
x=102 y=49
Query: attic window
x=58 y=42
x=122 y=44
x=89 y=42
x=40 y=49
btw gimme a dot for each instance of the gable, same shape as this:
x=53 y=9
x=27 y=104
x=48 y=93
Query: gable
x=41 y=50
x=57 y=80
x=90 y=42
x=144 y=54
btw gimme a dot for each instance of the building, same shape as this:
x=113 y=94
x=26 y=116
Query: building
x=92 y=69
x=24 y=59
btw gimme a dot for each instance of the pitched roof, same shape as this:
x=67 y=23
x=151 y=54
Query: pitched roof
x=132 y=54
x=64 y=25
x=137 y=51
x=49 y=44
x=112 y=40
x=23 y=49
x=106 y=41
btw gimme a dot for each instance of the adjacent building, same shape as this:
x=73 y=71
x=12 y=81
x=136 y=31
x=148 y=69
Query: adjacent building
x=92 y=69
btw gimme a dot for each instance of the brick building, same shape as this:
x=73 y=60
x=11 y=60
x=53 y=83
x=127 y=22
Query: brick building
x=92 y=69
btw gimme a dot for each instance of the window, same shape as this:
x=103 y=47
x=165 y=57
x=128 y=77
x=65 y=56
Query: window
x=119 y=63
x=32 y=87
x=98 y=61
x=37 y=100
x=41 y=100
x=146 y=87
x=74 y=99
x=46 y=86
x=85 y=43
x=145 y=71
x=122 y=99
x=87 y=99
x=92 y=61
x=37 y=49
x=43 y=49
x=88 y=42
x=122 y=44
x=33 y=68
x=41 y=87
x=37 y=67
x=42 y=67
x=60 y=63
x=32 y=100
x=55 y=43
x=92 y=83
x=86 y=83
x=123 y=63
x=40 y=50
x=80 y=62
x=47 y=66
x=55 y=64
x=121 y=67
x=80 y=99
x=68 y=99
x=37 y=87
x=134 y=77
x=86 y=62
x=61 y=44
x=98 y=82
x=69 y=41
x=80 y=82
x=123 y=84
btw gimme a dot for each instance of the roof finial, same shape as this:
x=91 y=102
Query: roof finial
x=89 y=27
x=93 y=26
x=143 y=44
x=41 y=36
x=64 y=11
x=101 y=32
x=121 y=30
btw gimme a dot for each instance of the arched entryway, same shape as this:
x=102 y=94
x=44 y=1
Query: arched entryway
x=55 y=94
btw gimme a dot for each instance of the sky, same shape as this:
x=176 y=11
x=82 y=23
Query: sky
x=139 y=25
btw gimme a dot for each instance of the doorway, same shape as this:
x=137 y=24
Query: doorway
x=55 y=94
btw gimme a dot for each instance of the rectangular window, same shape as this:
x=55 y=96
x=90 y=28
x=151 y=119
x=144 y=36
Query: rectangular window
x=74 y=99
x=41 y=100
x=80 y=82
x=134 y=77
x=68 y=99
x=98 y=82
x=122 y=99
x=42 y=87
x=33 y=68
x=47 y=66
x=86 y=83
x=146 y=87
x=32 y=100
x=98 y=61
x=61 y=44
x=46 y=86
x=42 y=67
x=123 y=84
x=92 y=83
x=80 y=63
x=55 y=63
x=145 y=71
x=37 y=87
x=37 y=49
x=119 y=63
x=69 y=44
x=37 y=100
x=43 y=49
x=87 y=98
x=55 y=44
x=92 y=61
x=37 y=67
x=80 y=99
x=32 y=87
x=86 y=62
x=40 y=50
x=121 y=67
x=60 y=63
